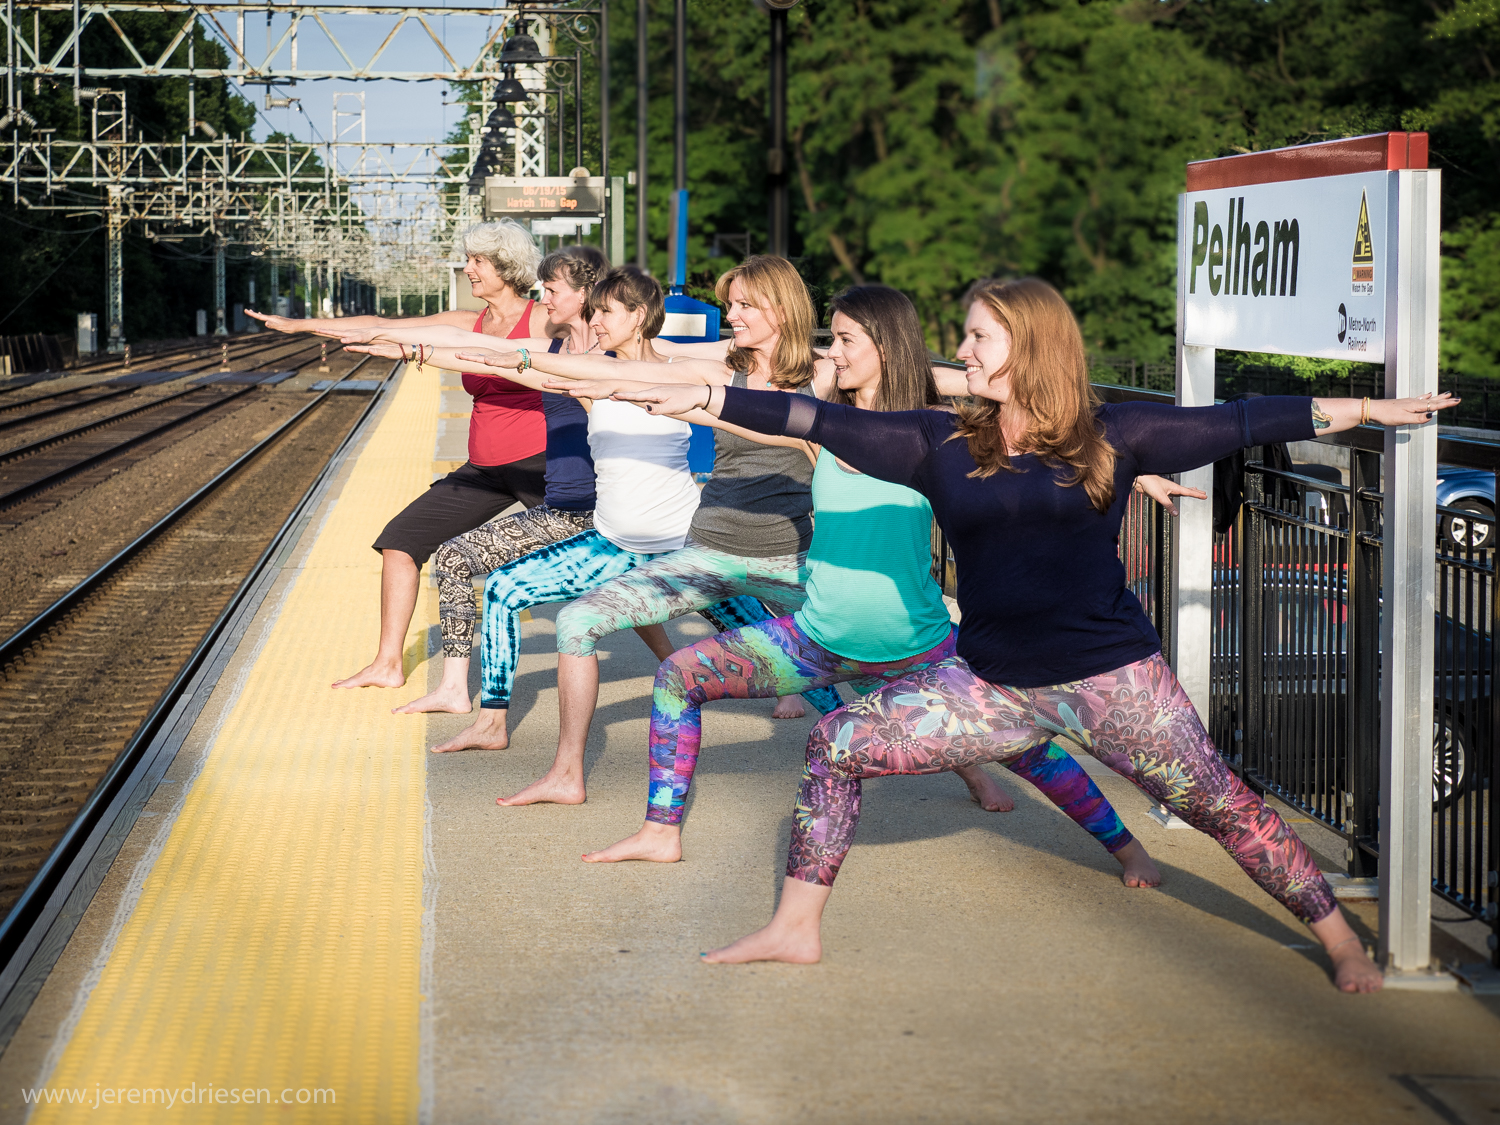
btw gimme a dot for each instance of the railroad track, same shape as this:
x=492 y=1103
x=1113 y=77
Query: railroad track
x=34 y=468
x=144 y=621
x=168 y=359
x=78 y=398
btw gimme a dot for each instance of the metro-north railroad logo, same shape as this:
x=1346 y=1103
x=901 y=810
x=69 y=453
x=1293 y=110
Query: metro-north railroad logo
x=1363 y=274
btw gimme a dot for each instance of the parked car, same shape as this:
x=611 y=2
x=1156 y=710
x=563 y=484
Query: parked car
x=1471 y=493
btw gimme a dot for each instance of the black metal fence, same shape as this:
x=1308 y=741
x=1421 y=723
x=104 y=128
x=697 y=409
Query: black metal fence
x=1296 y=654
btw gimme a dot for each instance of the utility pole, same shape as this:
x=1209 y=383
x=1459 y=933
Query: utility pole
x=679 y=79
x=642 y=107
x=220 y=328
x=779 y=219
x=114 y=268
x=776 y=186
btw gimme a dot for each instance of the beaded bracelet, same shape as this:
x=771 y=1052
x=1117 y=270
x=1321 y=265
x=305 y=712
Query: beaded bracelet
x=525 y=360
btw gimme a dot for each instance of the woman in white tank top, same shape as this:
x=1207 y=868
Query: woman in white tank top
x=646 y=495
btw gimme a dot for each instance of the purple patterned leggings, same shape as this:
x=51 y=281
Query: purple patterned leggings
x=1137 y=720
x=776 y=657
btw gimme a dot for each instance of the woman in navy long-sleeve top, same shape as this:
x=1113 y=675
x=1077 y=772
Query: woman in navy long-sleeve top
x=1030 y=487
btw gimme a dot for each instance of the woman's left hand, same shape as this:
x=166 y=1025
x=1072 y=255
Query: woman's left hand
x=1409 y=411
x=678 y=398
x=1162 y=490
x=508 y=360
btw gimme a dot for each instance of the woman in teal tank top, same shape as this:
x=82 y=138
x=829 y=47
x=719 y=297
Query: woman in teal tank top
x=873 y=612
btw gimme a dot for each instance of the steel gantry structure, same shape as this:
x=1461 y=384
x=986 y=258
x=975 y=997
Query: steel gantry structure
x=382 y=213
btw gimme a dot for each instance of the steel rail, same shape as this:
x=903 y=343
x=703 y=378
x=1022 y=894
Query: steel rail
x=26 y=450
x=23 y=451
x=51 y=411
x=32 y=907
x=30 y=489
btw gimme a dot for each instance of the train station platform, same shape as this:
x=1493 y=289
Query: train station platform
x=314 y=909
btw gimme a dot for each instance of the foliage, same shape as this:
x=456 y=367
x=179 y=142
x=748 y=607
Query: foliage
x=1471 y=297
x=937 y=141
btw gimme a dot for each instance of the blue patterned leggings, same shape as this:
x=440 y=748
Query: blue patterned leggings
x=564 y=571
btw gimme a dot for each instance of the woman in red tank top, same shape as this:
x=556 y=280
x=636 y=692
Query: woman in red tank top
x=507 y=432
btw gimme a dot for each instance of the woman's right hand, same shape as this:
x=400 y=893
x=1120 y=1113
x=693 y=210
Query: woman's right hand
x=674 y=399
x=578 y=388
x=276 y=323
x=510 y=361
x=356 y=335
x=380 y=348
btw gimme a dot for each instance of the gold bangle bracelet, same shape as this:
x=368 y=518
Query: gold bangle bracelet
x=1364 y=414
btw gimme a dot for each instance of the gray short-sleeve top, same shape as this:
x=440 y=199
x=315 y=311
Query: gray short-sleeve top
x=758 y=503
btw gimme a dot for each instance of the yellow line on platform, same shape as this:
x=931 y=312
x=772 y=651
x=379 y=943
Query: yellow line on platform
x=276 y=946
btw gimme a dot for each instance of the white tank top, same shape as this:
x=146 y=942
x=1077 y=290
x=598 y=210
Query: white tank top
x=646 y=495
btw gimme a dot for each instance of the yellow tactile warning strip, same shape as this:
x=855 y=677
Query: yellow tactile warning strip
x=276 y=947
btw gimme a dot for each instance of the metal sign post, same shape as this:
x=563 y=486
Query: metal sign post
x=1331 y=250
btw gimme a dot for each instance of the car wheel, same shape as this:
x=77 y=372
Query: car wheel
x=1478 y=532
x=1451 y=760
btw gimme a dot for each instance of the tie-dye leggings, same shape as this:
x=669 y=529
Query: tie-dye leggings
x=1137 y=720
x=779 y=658
x=564 y=571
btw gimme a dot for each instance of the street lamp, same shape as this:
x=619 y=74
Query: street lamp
x=779 y=218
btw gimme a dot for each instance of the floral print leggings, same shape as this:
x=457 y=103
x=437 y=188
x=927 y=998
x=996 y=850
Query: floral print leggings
x=1137 y=720
x=778 y=658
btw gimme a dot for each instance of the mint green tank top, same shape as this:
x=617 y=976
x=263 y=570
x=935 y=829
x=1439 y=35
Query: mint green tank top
x=870 y=593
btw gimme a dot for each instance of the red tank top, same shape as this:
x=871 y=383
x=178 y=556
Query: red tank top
x=507 y=423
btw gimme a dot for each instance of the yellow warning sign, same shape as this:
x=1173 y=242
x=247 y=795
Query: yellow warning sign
x=1364 y=251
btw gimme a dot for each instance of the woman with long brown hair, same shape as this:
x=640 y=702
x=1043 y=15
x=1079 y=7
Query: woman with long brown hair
x=1030 y=487
x=873 y=612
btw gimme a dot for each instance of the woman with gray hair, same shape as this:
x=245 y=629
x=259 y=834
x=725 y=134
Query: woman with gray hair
x=507 y=430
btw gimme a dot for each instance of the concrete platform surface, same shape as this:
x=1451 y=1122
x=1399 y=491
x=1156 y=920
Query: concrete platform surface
x=978 y=967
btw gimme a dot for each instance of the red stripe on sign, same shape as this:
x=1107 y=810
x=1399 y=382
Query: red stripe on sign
x=1378 y=152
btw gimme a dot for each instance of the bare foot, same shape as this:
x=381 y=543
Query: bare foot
x=454 y=702
x=789 y=707
x=483 y=734
x=1353 y=971
x=376 y=674
x=656 y=843
x=776 y=942
x=1139 y=871
x=550 y=789
x=986 y=790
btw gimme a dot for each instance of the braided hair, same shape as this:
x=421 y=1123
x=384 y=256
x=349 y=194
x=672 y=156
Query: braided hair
x=580 y=266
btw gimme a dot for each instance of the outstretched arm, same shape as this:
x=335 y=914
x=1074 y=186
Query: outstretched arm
x=1173 y=439
x=709 y=349
x=605 y=373
x=450 y=359
x=335 y=326
x=888 y=445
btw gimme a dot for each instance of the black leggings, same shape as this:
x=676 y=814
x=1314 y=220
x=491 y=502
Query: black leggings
x=467 y=497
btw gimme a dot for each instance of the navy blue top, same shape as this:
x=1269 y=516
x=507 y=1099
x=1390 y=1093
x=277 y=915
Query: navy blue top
x=1040 y=581
x=570 y=465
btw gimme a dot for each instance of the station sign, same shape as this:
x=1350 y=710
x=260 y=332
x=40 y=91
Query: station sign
x=544 y=197
x=1295 y=267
